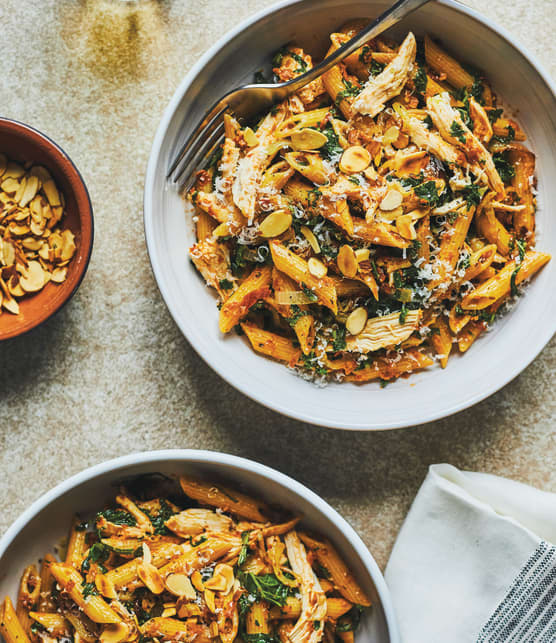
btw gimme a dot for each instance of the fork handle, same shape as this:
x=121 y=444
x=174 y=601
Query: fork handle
x=390 y=17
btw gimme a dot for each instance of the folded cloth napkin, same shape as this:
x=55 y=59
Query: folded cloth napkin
x=475 y=561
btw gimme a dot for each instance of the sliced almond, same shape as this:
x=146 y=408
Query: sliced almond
x=216 y=584
x=151 y=577
x=221 y=230
x=317 y=268
x=209 y=600
x=115 y=633
x=10 y=186
x=10 y=304
x=41 y=173
x=15 y=288
x=227 y=573
x=20 y=190
x=14 y=170
x=30 y=243
x=31 y=188
x=362 y=254
x=51 y=192
x=59 y=275
x=8 y=253
x=406 y=227
x=313 y=241
x=36 y=228
x=275 y=224
x=391 y=201
x=33 y=277
x=347 y=261
x=370 y=173
x=308 y=139
x=355 y=159
x=250 y=137
x=390 y=135
x=197 y=581
x=180 y=585
x=356 y=321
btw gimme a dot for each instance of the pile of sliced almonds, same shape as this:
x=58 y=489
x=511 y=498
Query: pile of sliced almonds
x=34 y=248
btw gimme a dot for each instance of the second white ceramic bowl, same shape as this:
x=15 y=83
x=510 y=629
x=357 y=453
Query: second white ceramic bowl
x=493 y=360
x=39 y=529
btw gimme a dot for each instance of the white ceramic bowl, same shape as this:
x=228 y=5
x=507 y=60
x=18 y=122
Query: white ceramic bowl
x=493 y=360
x=45 y=523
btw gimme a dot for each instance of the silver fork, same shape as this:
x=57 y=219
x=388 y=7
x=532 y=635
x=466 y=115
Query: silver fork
x=248 y=101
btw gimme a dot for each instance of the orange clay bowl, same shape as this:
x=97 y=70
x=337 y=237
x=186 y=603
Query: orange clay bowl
x=22 y=143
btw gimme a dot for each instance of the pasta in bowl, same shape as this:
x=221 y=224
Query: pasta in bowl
x=491 y=361
x=175 y=553
x=377 y=219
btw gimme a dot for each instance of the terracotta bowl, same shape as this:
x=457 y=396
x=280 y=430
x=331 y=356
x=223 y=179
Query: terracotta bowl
x=22 y=143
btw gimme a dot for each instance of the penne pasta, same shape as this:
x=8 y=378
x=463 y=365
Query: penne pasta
x=393 y=187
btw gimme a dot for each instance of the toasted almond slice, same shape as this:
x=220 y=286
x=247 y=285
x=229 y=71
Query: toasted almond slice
x=275 y=224
x=406 y=227
x=51 y=192
x=22 y=214
x=69 y=247
x=370 y=173
x=8 y=253
x=227 y=573
x=59 y=275
x=309 y=235
x=391 y=201
x=250 y=137
x=347 y=262
x=355 y=159
x=180 y=585
x=18 y=230
x=308 y=139
x=32 y=278
x=44 y=252
x=36 y=228
x=30 y=243
x=14 y=170
x=362 y=254
x=31 y=188
x=317 y=268
x=209 y=600
x=15 y=288
x=390 y=135
x=197 y=581
x=41 y=173
x=10 y=304
x=20 y=190
x=10 y=186
x=216 y=584
x=356 y=321
x=390 y=215
x=151 y=577
x=115 y=633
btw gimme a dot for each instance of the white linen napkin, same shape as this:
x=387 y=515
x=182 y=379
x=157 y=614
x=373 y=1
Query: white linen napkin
x=475 y=561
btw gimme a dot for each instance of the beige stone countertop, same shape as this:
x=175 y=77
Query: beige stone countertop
x=111 y=373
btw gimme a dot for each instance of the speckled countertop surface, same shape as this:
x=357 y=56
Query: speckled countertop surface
x=111 y=374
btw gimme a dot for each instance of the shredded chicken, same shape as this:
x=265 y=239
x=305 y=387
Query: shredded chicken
x=213 y=262
x=431 y=141
x=384 y=332
x=309 y=628
x=389 y=83
x=251 y=167
x=455 y=131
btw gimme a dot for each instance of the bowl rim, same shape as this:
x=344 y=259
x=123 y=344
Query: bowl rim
x=149 y=217
x=24 y=129
x=215 y=457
